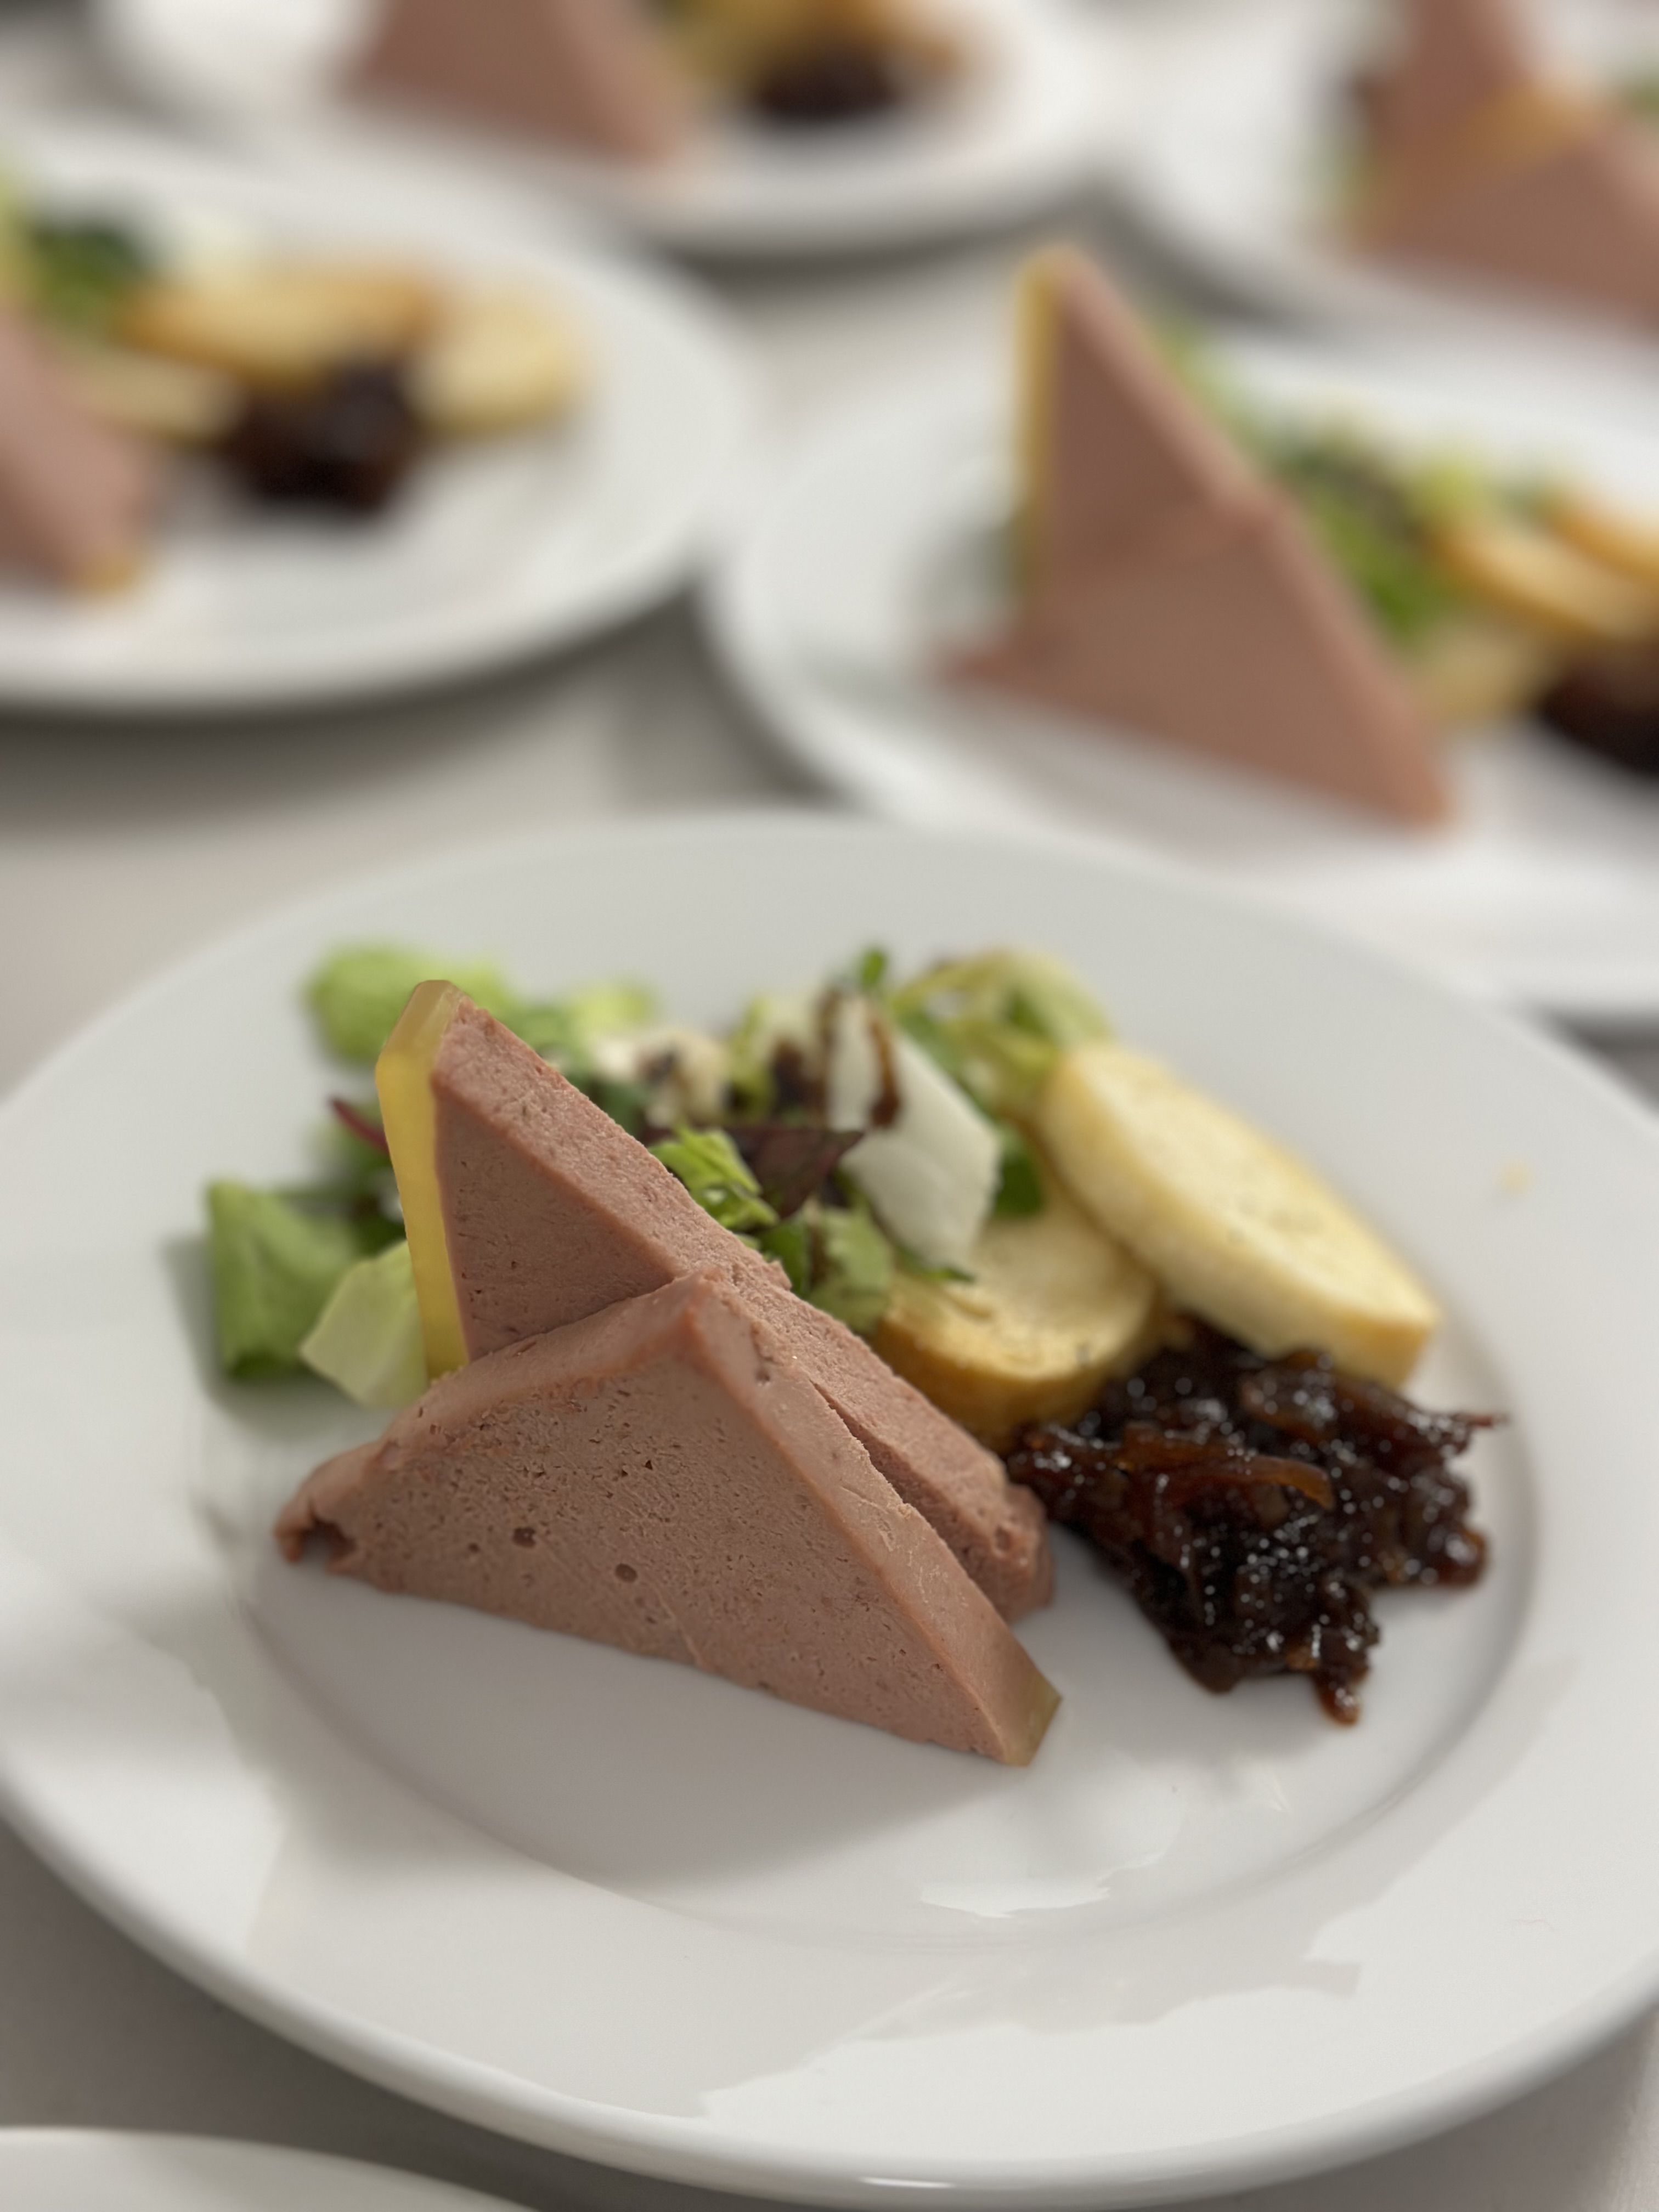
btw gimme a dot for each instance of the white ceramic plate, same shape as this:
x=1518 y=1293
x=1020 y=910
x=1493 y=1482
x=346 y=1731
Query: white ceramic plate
x=634 y=1913
x=496 y=551
x=1026 y=126
x=879 y=541
x=1237 y=143
x=64 y=2170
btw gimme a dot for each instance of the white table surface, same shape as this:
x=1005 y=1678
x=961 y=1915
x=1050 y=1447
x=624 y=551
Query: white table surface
x=121 y=847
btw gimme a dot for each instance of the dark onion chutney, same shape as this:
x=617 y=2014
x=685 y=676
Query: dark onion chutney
x=1252 y=1506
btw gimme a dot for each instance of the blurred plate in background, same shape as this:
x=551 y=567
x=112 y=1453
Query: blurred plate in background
x=64 y=2170
x=1031 y=122
x=882 y=539
x=497 y=550
x=1238 y=147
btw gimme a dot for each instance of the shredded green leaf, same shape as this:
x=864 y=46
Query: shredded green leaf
x=869 y=972
x=838 y=1259
x=853 y=1275
x=997 y=1024
x=715 y=1173
x=790 y=1243
x=1020 y=1192
x=79 y=269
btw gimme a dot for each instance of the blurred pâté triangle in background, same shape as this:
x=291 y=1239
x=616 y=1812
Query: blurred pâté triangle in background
x=1166 y=588
x=75 y=492
x=588 y=72
x=1480 y=157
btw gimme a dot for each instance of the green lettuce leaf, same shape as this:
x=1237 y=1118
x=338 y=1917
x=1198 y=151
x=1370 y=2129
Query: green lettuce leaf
x=366 y=1341
x=715 y=1173
x=81 y=268
x=275 y=1263
x=359 y=991
x=837 y=1258
x=1019 y=1192
x=853 y=1269
x=569 y=1030
x=997 y=1024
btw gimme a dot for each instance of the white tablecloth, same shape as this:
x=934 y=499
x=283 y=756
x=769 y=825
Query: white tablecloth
x=121 y=847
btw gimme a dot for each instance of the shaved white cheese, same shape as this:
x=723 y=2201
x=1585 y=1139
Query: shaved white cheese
x=685 y=1069
x=932 y=1175
x=854 y=1071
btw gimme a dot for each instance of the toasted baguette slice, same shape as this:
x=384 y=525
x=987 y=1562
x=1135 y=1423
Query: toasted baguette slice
x=283 y=325
x=1616 y=540
x=1236 y=1230
x=1055 y=1307
x=1482 y=667
x=1530 y=573
x=498 y=360
x=175 y=402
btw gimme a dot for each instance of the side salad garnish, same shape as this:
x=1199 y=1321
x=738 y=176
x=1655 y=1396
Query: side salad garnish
x=863 y=1135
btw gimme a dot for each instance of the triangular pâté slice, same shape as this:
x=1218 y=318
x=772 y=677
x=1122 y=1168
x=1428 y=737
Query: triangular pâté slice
x=1229 y=637
x=594 y=74
x=1483 y=162
x=663 y=1476
x=1576 y=217
x=1453 y=63
x=1168 y=591
x=527 y=1208
x=76 y=493
x=1109 y=447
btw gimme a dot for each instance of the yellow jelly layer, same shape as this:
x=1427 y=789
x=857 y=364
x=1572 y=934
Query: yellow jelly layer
x=402 y=1077
x=1038 y=325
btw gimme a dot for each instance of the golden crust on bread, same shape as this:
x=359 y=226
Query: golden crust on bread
x=500 y=359
x=1054 y=1308
x=282 y=324
x=1481 y=667
x=176 y=401
x=1235 y=1227
x=1524 y=570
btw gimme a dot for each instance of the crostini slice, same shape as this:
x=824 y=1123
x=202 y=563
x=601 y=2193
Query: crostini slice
x=1236 y=1228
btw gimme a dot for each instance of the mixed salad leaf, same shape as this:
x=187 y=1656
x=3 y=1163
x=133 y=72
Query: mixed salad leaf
x=848 y=1133
x=74 y=270
x=276 y=1262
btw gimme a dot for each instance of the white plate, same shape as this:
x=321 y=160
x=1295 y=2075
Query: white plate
x=494 y=552
x=1023 y=129
x=65 y=2170
x=879 y=540
x=1236 y=146
x=633 y=1912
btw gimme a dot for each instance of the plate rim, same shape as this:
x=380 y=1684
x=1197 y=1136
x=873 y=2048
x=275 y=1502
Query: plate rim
x=669 y=2148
